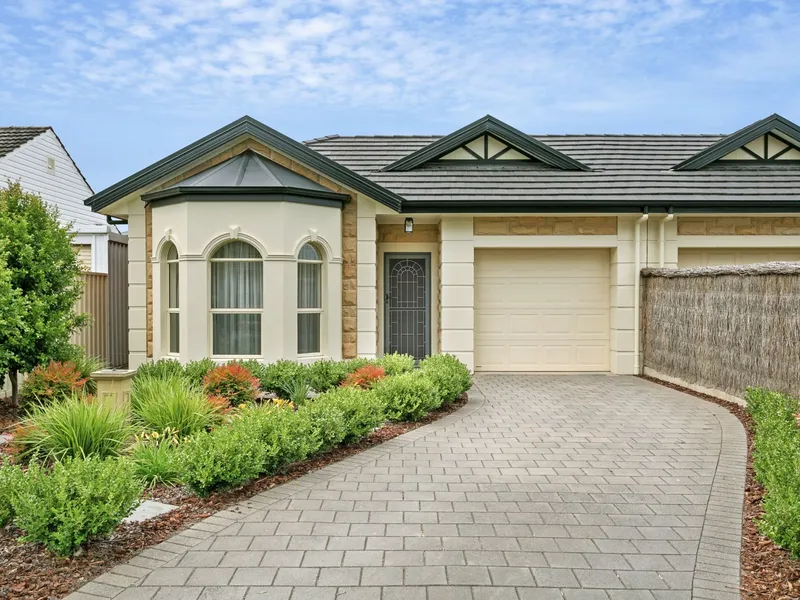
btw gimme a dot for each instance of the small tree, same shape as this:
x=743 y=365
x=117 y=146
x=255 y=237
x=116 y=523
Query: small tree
x=45 y=272
x=10 y=313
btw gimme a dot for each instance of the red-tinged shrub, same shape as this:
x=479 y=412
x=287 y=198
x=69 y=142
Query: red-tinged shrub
x=53 y=381
x=365 y=377
x=233 y=382
x=219 y=404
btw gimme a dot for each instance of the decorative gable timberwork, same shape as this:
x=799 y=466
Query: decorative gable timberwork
x=771 y=146
x=485 y=147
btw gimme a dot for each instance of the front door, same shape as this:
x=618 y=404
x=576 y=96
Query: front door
x=407 y=304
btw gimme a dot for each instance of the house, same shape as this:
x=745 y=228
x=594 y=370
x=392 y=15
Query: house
x=513 y=252
x=36 y=158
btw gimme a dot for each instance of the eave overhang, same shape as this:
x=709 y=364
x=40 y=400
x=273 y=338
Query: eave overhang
x=247 y=194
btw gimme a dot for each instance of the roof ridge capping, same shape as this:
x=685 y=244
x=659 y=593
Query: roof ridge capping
x=245 y=125
x=497 y=128
x=738 y=139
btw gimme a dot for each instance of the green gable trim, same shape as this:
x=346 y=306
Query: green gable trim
x=738 y=139
x=502 y=131
x=245 y=126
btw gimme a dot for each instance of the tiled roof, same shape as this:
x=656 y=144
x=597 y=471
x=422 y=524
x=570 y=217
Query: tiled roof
x=624 y=167
x=12 y=138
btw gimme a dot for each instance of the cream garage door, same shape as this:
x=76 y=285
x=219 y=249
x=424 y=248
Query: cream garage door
x=542 y=310
x=715 y=257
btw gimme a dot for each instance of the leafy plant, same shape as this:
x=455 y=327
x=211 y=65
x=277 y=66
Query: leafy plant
x=171 y=402
x=450 y=376
x=76 y=499
x=395 y=363
x=353 y=364
x=226 y=457
x=364 y=377
x=164 y=368
x=407 y=397
x=41 y=281
x=9 y=480
x=233 y=382
x=195 y=371
x=296 y=391
x=275 y=375
x=362 y=410
x=154 y=458
x=776 y=461
x=287 y=436
x=328 y=421
x=53 y=381
x=73 y=427
x=324 y=375
x=86 y=365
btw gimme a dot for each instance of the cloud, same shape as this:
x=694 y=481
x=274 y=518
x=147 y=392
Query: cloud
x=457 y=55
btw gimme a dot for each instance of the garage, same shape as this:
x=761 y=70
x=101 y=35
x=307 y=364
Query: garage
x=542 y=309
x=714 y=257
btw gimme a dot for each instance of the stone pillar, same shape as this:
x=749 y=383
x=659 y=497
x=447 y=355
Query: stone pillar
x=622 y=291
x=367 y=319
x=458 y=297
x=137 y=287
x=349 y=269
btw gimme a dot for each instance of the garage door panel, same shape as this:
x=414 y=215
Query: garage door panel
x=542 y=310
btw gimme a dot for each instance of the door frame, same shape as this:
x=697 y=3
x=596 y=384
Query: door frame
x=428 y=278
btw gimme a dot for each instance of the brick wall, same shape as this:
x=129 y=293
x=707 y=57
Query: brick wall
x=739 y=226
x=545 y=226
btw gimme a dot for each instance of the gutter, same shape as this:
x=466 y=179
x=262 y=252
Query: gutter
x=637 y=258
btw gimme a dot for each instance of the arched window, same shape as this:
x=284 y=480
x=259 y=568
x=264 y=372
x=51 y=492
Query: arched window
x=237 y=300
x=309 y=300
x=173 y=315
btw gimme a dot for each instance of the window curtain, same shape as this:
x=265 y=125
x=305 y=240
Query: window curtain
x=309 y=296
x=237 y=285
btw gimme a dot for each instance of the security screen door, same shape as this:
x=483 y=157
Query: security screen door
x=407 y=304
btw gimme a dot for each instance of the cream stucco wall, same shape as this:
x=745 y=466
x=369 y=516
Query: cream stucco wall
x=277 y=230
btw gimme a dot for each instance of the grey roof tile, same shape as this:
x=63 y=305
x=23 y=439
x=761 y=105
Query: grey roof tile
x=12 y=138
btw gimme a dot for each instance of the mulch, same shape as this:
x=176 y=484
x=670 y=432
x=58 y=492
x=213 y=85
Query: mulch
x=29 y=572
x=9 y=415
x=768 y=572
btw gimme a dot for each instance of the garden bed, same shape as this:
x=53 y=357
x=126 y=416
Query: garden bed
x=32 y=573
x=767 y=571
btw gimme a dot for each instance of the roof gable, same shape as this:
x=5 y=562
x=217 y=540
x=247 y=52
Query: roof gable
x=774 y=139
x=487 y=139
x=245 y=126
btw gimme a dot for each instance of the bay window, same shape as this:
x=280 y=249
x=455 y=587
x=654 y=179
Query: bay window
x=309 y=300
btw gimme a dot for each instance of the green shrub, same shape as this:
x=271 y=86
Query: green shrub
x=64 y=506
x=286 y=435
x=9 y=480
x=362 y=410
x=53 y=381
x=154 y=458
x=195 y=371
x=72 y=427
x=327 y=421
x=354 y=364
x=776 y=462
x=163 y=368
x=233 y=382
x=296 y=391
x=273 y=377
x=407 y=397
x=171 y=402
x=228 y=456
x=450 y=376
x=364 y=377
x=324 y=375
x=395 y=364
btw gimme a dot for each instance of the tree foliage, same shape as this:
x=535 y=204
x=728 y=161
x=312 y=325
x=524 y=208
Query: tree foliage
x=43 y=271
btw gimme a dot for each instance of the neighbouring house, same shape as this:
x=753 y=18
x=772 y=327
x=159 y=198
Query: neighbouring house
x=36 y=158
x=514 y=252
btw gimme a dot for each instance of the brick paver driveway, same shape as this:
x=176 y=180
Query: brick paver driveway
x=551 y=487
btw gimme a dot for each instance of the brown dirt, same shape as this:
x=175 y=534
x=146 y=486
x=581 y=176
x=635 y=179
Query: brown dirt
x=29 y=572
x=768 y=572
x=9 y=415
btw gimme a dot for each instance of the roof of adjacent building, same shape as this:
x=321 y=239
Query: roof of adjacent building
x=12 y=138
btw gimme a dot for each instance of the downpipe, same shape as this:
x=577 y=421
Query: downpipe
x=661 y=241
x=637 y=259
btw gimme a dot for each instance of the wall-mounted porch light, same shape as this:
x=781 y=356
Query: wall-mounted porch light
x=409 y=225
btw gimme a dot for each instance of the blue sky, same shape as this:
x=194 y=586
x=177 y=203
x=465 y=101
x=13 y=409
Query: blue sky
x=125 y=83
